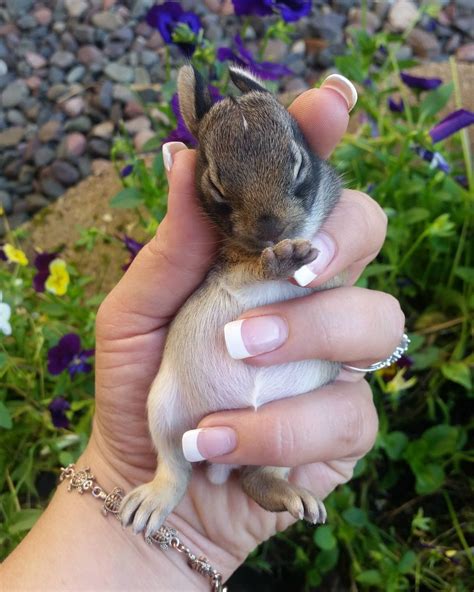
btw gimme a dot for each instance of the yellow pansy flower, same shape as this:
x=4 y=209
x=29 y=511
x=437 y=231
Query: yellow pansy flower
x=58 y=279
x=15 y=255
x=2 y=211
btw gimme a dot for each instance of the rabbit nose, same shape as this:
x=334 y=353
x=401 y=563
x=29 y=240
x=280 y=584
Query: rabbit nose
x=270 y=228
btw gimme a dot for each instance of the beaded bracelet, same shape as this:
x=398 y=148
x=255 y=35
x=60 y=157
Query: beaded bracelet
x=84 y=481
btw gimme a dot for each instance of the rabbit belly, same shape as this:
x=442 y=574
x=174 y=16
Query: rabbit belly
x=197 y=375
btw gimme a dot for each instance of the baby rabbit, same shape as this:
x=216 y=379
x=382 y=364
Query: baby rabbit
x=268 y=194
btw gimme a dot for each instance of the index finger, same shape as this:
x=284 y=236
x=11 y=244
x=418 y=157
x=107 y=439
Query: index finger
x=323 y=113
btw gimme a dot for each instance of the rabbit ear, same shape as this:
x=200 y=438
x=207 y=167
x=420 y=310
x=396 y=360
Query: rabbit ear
x=194 y=98
x=245 y=80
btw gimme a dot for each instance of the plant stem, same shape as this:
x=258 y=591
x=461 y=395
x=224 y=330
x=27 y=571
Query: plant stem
x=12 y=489
x=458 y=528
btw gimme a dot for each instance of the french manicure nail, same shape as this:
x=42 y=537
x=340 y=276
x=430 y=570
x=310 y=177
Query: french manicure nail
x=205 y=443
x=169 y=150
x=344 y=87
x=327 y=249
x=250 y=337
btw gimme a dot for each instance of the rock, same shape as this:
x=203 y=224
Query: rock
x=142 y=138
x=11 y=136
x=43 y=156
x=19 y=7
x=56 y=91
x=6 y=202
x=109 y=21
x=89 y=55
x=424 y=44
x=73 y=107
x=466 y=53
x=373 y=22
x=15 y=93
x=65 y=173
x=453 y=43
x=35 y=202
x=99 y=147
x=74 y=145
x=33 y=82
x=3 y=68
x=122 y=93
x=76 y=8
x=55 y=75
x=49 y=131
x=142 y=77
x=79 y=124
x=15 y=117
x=26 y=175
x=51 y=187
x=148 y=58
x=26 y=22
x=69 y=43
x=276 y=51
x=84 y=165
x=35 y=60
x=105 y=96
x=133 y=109
x=119 y=73
x=76 y=74
x=62 y=59
x=99 y=166
x=103 y=130
x=43 y=16
x=137 y=125
x=402 y=15
x=329 y=26
x=85 y=34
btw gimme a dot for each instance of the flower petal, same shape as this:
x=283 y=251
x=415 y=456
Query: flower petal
x=451 y=124
x=420 y=82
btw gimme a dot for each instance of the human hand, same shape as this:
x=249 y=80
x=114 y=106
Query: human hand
x=321 y=434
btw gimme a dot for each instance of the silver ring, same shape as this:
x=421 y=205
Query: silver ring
x=397 y=354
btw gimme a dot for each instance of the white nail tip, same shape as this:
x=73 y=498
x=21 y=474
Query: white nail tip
x=344 y=87
x=168 y=154
x=304 y=276
x=234 y=342
x=189 y=444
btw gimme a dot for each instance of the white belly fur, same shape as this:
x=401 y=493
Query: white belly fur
x=197 y=376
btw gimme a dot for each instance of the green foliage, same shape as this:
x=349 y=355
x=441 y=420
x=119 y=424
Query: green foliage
x=405 y=521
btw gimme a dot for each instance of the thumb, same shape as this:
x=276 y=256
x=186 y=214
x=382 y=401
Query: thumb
x=169 y=267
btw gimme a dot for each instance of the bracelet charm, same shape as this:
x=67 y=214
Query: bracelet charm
x=166 y=538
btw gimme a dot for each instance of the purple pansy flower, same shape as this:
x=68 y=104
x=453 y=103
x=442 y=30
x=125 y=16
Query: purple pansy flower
x=166 y=17
x=181 y=132
x=396 y=106
x=244 y=58
x=436 y=160
x=67 y=355
x=293 y=10
x=451 y=124
x=420 y=82
x=126 y=171
x=257 y=7
x=58 y=408
x=133 y=247
x=41 y=263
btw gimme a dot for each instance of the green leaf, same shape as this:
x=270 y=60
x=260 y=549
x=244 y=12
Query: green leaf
x=130 y=197
x=457 y=372
x=407 y=562
x=24 y=520
x=327 y=560
x=3 y=359
x=394 y=444
x=436 y=100
x=152 y=144
x=5 y=417
x=158 y=166
x=370 y=576
x=355 y=516
x=429 y=478
x=415 y=215
x=324 y=538
x=466 y=274
x=441 y=440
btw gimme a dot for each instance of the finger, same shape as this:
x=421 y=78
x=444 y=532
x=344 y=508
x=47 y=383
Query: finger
x=323 y=114
x=174 y=262
x=347 y=324
x=354 y=232
x=335 y=422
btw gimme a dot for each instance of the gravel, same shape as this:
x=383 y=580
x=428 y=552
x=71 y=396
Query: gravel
x=67 y=67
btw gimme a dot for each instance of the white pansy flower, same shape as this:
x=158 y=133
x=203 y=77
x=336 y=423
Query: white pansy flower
x=5 y=314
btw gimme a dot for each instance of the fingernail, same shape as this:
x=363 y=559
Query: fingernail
x=169 y=150
x=327 y=249
x=257 y=335
x=344 y=87
x=205 y=443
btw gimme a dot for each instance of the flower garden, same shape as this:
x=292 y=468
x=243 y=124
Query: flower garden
x=406 y=519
